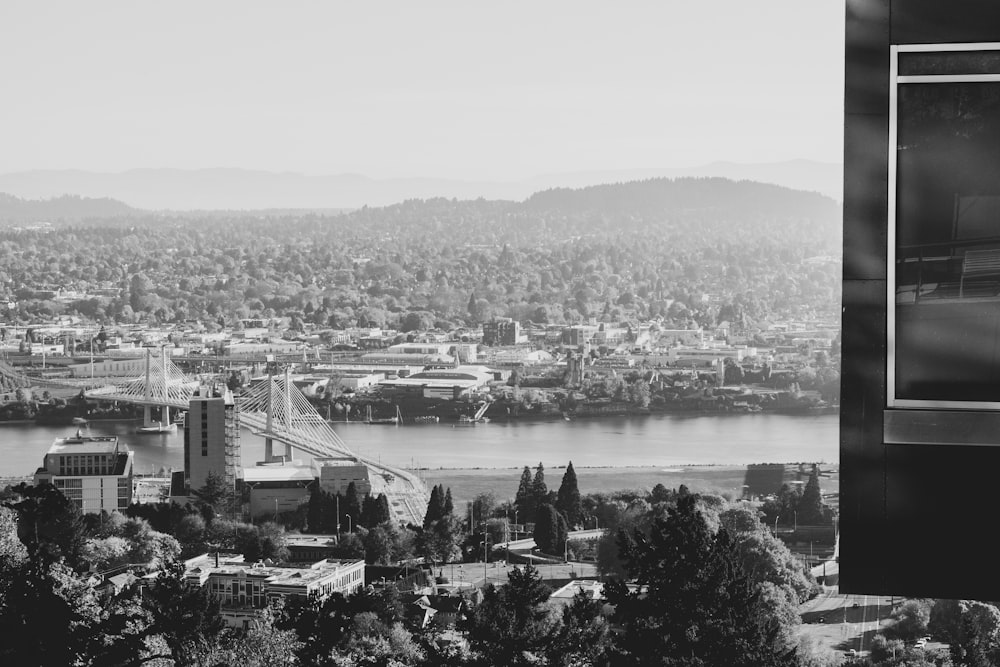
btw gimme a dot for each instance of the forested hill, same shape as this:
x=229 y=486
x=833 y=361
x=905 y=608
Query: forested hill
x=67 y=207
x=661 y=195
x=687 y=250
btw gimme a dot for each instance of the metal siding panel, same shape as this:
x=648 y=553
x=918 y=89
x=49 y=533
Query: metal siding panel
x=939 y=536
x=866 y=57
x=865 y=196
x=862 y=462
x=936 y=22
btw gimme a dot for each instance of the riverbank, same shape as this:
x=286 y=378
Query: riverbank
x=723 y=480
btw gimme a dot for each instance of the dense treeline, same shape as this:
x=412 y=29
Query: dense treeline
x=686 y=250
x=680 y=548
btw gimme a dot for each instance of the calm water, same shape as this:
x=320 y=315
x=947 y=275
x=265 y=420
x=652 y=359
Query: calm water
x=661 y=440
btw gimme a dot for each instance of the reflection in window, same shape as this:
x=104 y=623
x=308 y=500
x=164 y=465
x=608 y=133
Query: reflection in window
x=947 y=265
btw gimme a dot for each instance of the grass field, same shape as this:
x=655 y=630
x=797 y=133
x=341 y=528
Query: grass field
x=466 y=484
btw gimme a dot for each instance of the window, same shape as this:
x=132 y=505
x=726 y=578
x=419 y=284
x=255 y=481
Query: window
x=944 y=227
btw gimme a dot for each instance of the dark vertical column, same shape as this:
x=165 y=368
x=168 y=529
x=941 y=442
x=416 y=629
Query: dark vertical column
x=862 y=489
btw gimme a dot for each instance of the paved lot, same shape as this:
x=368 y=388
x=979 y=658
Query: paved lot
x=472 y=575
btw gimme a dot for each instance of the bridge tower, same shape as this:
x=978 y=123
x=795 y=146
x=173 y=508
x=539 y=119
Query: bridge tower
x=284 y=396
x=151 y=395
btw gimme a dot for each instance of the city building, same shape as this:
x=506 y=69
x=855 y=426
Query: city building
x=212 y=438
x=444 y=383
x=336 y=474
x=275 y=488
x=95 y=472
x=244 y=589
x=501 y=331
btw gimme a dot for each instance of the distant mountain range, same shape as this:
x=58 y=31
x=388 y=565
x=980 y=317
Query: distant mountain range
x=241 y=189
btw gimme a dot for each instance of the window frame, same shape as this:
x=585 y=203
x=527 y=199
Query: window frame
x=895 y=80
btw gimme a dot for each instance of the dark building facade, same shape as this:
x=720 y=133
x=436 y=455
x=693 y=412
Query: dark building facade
x=501 y=331
x=920 y=405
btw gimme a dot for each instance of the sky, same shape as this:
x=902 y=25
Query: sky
x=464 y=89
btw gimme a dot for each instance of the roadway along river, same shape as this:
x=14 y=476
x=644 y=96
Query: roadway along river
x=657 y=440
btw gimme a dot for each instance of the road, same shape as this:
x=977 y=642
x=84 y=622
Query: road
x=845 y=622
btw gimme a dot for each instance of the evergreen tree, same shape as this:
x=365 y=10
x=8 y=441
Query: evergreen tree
x=550 y=530
x=369 y=509
x=449 y=505
x=568 y=502
x=539 y=491
x=512 y=625
x=433 y=508
x=473 y=308
x=382 y=511
x=352 y=504
x=316 y=511
x=523 y=500
x=810 y=510
x=214 y=493
x=697 y=606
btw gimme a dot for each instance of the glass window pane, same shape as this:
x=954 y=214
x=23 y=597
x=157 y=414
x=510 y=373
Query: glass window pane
x=947 y=344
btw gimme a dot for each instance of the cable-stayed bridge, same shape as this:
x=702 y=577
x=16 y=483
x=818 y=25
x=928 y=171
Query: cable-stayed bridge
x=273 y=409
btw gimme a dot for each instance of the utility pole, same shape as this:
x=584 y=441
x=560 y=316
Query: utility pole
x=486 y=574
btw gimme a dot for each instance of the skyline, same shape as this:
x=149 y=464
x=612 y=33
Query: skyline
x=444 y=90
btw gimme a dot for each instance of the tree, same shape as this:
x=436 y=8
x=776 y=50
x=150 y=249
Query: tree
x=568 y=502
x=697 y=606
x=810 y=505
x=48 y=616
x=214 y=493
x=49 y=525
x=435 y=507
x=186 y=617
x=511 y=626
x=539 y=491
x=970 y=628
x=550 y=530
x=524 y=500
x=449 y=504
x=352 y=504
x=910 y=619
x=263 y=542
x=582 y=637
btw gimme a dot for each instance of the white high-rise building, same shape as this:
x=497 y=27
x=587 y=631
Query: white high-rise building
x=212 y=438
x=95 y=472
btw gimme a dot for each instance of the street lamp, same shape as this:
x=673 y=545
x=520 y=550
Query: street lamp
x=348 y=521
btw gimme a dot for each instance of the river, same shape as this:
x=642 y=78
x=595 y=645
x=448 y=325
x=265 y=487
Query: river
x=655 y=440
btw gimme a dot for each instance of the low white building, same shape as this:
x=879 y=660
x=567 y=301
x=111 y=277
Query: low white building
x=94 y=472
x=444 y=383
x=336 y=474
x=244 y=589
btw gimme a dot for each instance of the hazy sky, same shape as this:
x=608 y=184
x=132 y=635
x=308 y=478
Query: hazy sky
x=462 y=89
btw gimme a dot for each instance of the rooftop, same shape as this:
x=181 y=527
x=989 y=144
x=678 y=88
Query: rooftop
x=86 y=444
x=276 y=473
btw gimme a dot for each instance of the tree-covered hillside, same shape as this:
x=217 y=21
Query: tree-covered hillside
x=701 y=250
